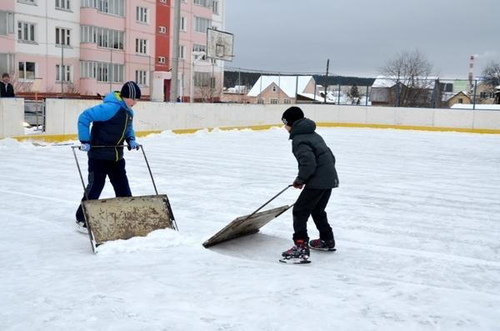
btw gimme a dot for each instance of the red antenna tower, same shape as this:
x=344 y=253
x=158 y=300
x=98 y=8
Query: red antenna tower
x=471 y=72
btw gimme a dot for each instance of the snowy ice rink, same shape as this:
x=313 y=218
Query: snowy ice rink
x=416 y=217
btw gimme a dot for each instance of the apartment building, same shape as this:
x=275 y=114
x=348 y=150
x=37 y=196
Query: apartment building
x=117 y=44
x=39 y=42
x=89 y=47
x=199 y=76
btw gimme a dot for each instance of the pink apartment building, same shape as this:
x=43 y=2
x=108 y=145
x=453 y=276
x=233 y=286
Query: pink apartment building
x=90 y=47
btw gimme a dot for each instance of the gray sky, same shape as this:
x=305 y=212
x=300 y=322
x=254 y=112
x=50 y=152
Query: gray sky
x=297 y=36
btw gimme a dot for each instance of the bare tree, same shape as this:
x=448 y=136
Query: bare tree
x=210 y=90
x=410 y=72
x=491 y=74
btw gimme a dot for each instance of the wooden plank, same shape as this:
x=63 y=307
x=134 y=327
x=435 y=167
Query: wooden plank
x=126 y=217
x=245 y=225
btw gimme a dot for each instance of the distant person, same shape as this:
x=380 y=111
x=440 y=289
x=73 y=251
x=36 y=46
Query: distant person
x=111 y=127
x=6 y=88
x=318 y=176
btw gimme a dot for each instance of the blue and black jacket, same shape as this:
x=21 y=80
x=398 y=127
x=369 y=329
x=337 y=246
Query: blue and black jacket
x=111 y=126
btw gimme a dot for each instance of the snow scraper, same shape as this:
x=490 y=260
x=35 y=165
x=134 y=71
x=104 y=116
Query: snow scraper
x=125 y=217
x=248 y=224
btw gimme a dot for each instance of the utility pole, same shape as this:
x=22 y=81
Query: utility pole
x=111 y=69
x=326 y=78
x=61 y=70
x=175 y=53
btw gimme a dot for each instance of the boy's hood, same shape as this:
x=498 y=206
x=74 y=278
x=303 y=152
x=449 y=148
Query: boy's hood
x=302 y=126
x=114 y=97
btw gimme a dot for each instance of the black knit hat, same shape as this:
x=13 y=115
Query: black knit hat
x=130 y=90
x=291 y=115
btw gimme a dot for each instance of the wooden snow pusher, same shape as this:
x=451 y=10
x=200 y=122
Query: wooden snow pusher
x=125 y=217
x=247 y=225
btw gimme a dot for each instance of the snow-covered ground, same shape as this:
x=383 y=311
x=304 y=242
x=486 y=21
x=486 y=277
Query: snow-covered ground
x=416 y=220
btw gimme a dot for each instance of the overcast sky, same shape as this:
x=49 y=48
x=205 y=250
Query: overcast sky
x=297 y=36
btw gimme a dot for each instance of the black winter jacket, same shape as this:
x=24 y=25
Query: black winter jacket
x=316 y=161
x=7 y=90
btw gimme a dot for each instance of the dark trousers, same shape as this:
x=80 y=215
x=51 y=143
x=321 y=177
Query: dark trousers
x=98 y=170
x=311 y=202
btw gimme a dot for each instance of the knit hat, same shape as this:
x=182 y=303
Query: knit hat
x=291 y=115
x=130 y=90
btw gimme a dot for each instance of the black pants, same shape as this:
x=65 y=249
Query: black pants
x=98 y=170
x=311 y=202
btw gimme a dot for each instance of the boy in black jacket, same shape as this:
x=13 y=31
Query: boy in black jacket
x=6 y=88
x=317 y=173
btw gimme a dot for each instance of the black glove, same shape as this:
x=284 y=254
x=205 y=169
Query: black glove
x=297 y=183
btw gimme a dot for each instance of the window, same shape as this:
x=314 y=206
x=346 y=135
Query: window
x=106 y=38
x=201 y=24
x=183 y=24
x=141 y=46
x=201 y=79
x=31 y=2
x=26 y=70
x=26 y=31
x=274 y=101
x=486 y=95
x=164 y=1
x=460 y=100
x=274 y=88
x=7 y=62
x=102 y=71
x=215 y=7
x=161 y=59
x=142 y=14
x=287 y=101
x=141 y=77
x=63 y=4
x=204 y=3
x=260 y=101
x=63 y=36
x=114 y=7
x=199 y=48
x=64 y=73
x=182 y=52
x=6 y=22
x=162 y=29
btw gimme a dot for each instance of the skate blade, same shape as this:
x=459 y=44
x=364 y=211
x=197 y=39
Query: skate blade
x=82 y=229
x=323 y=249
x=295 y=261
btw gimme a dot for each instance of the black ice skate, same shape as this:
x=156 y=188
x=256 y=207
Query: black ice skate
x=298 y=254
x=322 y=245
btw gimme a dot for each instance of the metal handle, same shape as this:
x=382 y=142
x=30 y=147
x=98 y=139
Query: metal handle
x=286 y=188
x=80 y=172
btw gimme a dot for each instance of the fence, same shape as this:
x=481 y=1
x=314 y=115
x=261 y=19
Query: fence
x=431 y=92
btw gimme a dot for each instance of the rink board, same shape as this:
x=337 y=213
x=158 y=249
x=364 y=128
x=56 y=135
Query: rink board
x=126 y=217
x=245 y=225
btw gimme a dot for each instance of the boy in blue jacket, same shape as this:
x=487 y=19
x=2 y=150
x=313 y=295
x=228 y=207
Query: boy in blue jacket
x=318 y=175
x=111 y=127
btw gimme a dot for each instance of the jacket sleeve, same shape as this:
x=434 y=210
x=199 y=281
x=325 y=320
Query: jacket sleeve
x=307 y=161
x=99 y=113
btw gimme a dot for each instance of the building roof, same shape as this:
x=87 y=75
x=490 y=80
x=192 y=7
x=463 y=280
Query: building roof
x=290 y=85
x=384 y=81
